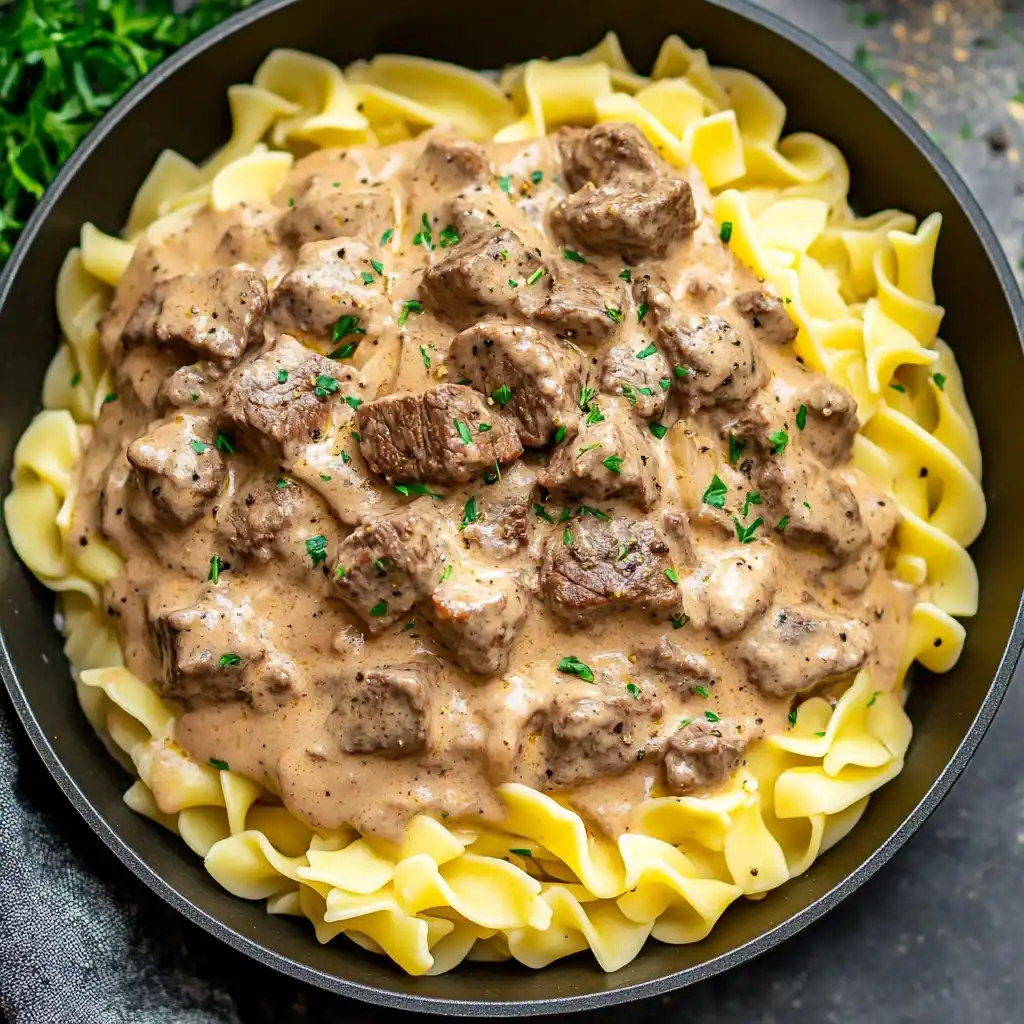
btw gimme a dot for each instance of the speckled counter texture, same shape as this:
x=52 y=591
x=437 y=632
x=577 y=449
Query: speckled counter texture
x=936 y=936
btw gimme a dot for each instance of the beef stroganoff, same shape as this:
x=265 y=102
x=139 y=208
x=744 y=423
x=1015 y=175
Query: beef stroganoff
x=496 y=519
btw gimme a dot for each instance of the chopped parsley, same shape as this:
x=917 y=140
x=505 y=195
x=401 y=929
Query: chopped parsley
x=614 y=313
x=560 y=434
x=641 y=312
x=572 y=254
x=327 y=476
x=282 y=484
x=225 y=443
x=447 y=573
x=752 y=498
x=448 y=237
x=380 y=609
x=227 y=660
x=633 y=690
x=409 y=306
x=535 y=276
x=714 y=493
x=282 y=376
x=666 y=383
x=425 y=236
x=701 y=691
x=711 y=716
x=381 y=565
x=940 y=380
x=595 y=415
x=387 y=236
x=629 y=393
x=588 y=448
x=678 y=621
x=736 y=448
x=502 y=395
x=345 y=458
x=467 y=437
x=626 y=275
x=782 y=524
x=567 y=537
x=316 y=548
x=801 y=417
x=326 y=386
x=425 y=355
x=874 y=697
x=217 y=763
x=516 y=850
x=469 y=514
x=483 y=428
x=648 y=351
x=586 y=510
x=340 y=573
x=198 y=446
x=542 y=513
x=110 y=397
x=792 y=716
x=216 y=568
x=725 y=232
x=536 y=177
x=346 y=351
x=345 y=326
x=367 y=277
x=745 y=534
x=566 y=514
x=505 y=184
x=377 y=266
x=681 y=371
x=587 y=395
x=659 y=430
x=406 y=489
x=778 y=440
x=898 y=387
x=77 y=379
x=673 y=576
x=351 y=400
x=574 y=667
x=613 y=463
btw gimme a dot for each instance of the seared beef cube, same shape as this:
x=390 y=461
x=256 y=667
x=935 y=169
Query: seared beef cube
x=616 y=565
x=206 y=648
x=211 y=314
x=711 y=362
x=267 y=519
x=767 y=315
x=820 y=508
x=831 y=421
x=592 y=733
x=574 y=301
x=472 y=282
x=325 y=212
x=177 y=472
x=703 y=754
x=682 y=669
x=794 y=649
x=382 y=711
x=326 y=285
x=392 y=561
x=478 y=619
x=435 y=437
x=730 y=592
x=543 y=375
x=640 y=381
x=611 y=458
x=501 y=527
x=450 y=162
x=635 y=224
x=607 y=154
x=286 y=395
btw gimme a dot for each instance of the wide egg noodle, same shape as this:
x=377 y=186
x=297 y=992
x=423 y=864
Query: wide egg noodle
x=543 y=886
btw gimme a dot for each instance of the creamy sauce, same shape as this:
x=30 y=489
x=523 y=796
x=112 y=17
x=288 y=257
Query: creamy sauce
x=238 y=516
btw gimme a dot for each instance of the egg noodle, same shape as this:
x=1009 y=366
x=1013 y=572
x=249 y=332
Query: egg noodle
x=543 y=886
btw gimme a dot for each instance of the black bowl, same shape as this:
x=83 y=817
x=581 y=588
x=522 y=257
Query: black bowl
x=893 y=164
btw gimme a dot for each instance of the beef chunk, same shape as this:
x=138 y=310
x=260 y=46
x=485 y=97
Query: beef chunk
x=205 y=649
x=502 y=525
x=728 y=594
x=543 y=375
x=717 y=363
x=703 y=754
x=286 y=395
x=794 y=649
x=632 y=223
x=472 y=282
x=188 y=387
x=211 y=314
x=681 y=668
x=451 y=162
x=251 y=239
x=422 y=437
x=382 y=711
x=610 y=458
x=821 y=508
x=593 y=733
x=574 y=301
x=478 y=618
x=325 y=285
x=607 y=154
x=325 y=212
x=639 y=380
x=831 y=422
x=177 y=472
x=611 y=566
x=390 y=562
x=767 y=315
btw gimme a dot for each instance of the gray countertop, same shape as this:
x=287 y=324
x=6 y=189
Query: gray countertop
x=935 y=936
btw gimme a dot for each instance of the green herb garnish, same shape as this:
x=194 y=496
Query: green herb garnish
x=469 y=514
x=542 y=513
x=752 y=498
x=572 y=254
x=678 y=621
x=574 y=667
x=613 y=463
x=659 y=430
x=672 y=575
x=801 y=417
x=316 y=548
x=778 y=441
x=227 y=660
x=225 y=443
x=626 y=275
x=614 y=314
x=467 y=437
x=725 y=232
x=502 y=395
x=425 y=356
x=409 y=306
x=535 y=276
x=940 y=380
x=217 y=763
x=647 y=351
x=447 y=573
x=216 y=567
x=714 y=493
x=326 y=386
x=282 y=376
x=345 y=326
x=745 y=534
x=711 y=716
x=199 y=447
x=633 y=690
x=379 y=610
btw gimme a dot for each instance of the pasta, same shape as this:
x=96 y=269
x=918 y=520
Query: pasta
x=543 y=885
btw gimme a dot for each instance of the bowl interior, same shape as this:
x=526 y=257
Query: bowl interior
x=889 y=168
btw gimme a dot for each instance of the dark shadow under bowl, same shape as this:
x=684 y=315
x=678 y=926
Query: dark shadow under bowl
x=893 y=164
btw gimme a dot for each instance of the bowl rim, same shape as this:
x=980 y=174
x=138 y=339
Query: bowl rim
x=131 y=859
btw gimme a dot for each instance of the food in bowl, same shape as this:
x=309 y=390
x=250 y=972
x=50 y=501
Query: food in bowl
x=496 y=520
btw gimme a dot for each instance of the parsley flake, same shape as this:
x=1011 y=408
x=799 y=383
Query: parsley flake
x=227 y=660
x=345 y=326
x=626 y=275
x=367 y=277
x=378 y=266
x=678 y=621
x=659 y=430
x=715 y=492
x=216 y=568
x=469 y=514
x=673 y=576
x=502 y=395
x=574 y=667
x=217 y=763
x=467 y=437
x=282 y=376
x=792 y=716
x=736 y=448
x=801 y=417
x=409 y=306
x=316 y=548
x=413 y=488
x=725 y=232
x=379 y=610
x=536 y=177
x=535 y=276
x=198 y=446
x=898 y=387
x=613 y=463
x=587 y=395
x=567 y=537
x=387 y=236
x=647 y=352
x=542 y=513
x=448 y=237
x=642 y=311
x=225 y=443
x=701 y=691
x=778 y=440
x=752 y=498
x=745 y=534
x=614 y=313
x=940 y=380
x=326 y=386
x=711 y=716
x=782 y=524
x=572 y=254
x=633 y=690
x=352 y=401
x=446 y=575
x=425 y=355
x=560 y=434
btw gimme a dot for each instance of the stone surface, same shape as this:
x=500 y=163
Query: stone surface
x=935 y=936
